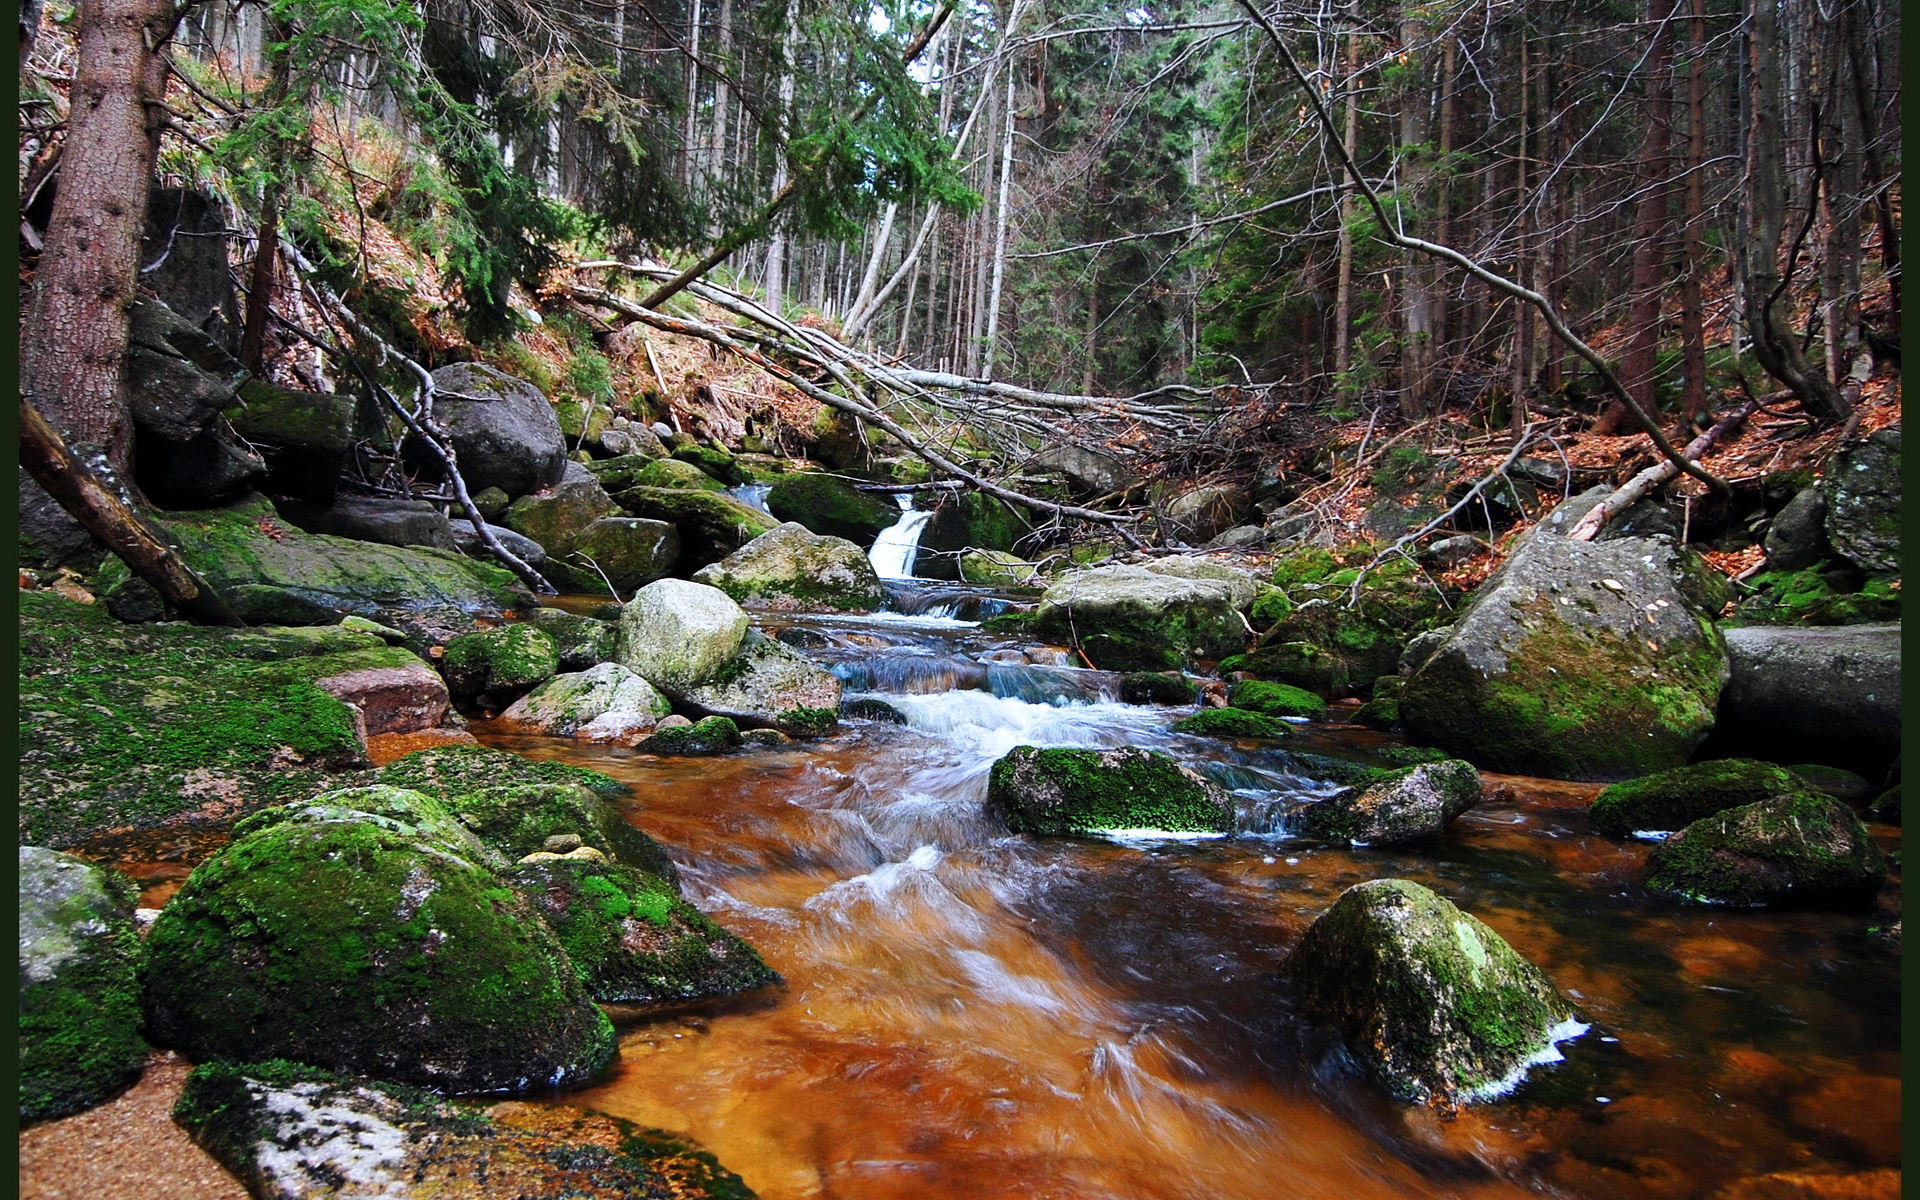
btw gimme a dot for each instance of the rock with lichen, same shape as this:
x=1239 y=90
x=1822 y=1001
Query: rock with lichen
x=1412 y=804
x=1670 y=800
x=789 y=567
x=1073 y=791
x=1792 y=850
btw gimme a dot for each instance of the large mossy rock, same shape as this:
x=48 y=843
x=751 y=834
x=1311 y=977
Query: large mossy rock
x=632 y=938
x=1276 y=699
x=1835 y=686
x=711 y=525
x=300 y=1133
x=503 y=431
x=1412 y=804
x=581 y=642
x=1863 y=502
x=971 y=522
x=767 y=685
x=1232 y=723
x=499 y=664
x=1128 y=618
x=1329 y=641
x=623 y=553
x=663 y=473
x=1202 y=513
x=556 y=515
x=695 y=739
x=1669 y=800
x=79 y=994
x=138 y=727
x=603 y=703
x=829 y=505
x=1069 y=791
x=1433 y=1003
x=1801 y=849
x=789 y=567
x=390 y=522
x=303 y=437
x=273 y=574
x=1577 y=660
x=362 y=948
x=675 y=634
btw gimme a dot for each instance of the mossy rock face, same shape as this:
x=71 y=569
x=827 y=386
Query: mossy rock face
x=971 y=522
x=303 y=436
x=713 y=461
x=271 y=572
x=557 y=516
x=831 y=506
x=664 y=473
x=499 y=663
x=1863 y=502
x=1354 y=642
x=399 y=810
x=1231 y=723
x=868 y=709
x=701 y=739
x=789 y=567
x=79 y=995
x=1382 y=714
x=1576 y=660
x=1152 y=687
x=1834 y=781
x=287 y=1129
x=998 y=568
x=603 y=703
x=1130 y=618
x=1433 y=1003
x=1276 y=699
x=581 y=642
x=632 y=938
x=624 y=553
x=359 y=948
x=449 y=771
x=517 y=820
x=1409 y=805
x=1819 y=594
x=1066 y=791
x=769 y=685
x=711 y=525
x=1674 y=799
x=675 y=633
x=1800 y=849
x=135 y=727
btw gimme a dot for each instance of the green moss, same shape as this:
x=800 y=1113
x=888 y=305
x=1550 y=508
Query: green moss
x=869 y=709
x=500 y=662
x=715 y=462
x=1412 y=755
x=1804 y=848
x=1382 y=714
x=452 y=771
x=1148 y=687
x=695 y=1171
x=1067 y=791
x=1017 y=623
x=808 y=722
x=705 y=737
x=1231 y=723
x=1276 y=699
x=79 y=1031
x=829 y=505
x=1675 y=798
x=1809 y=597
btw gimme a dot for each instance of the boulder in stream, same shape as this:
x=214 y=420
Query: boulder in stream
x=831 y=505
x=1863 y=502
x=694 y=739
x=603 y=703
x=301 y=1133
x=1412 y=804
x=1276 y=699
x=768 y=685
x=499 y=664
x=1828 y=686
x=557 y=515
x=1800 y=849
x=675 y=634
x=1130 y=618
x=1577 y=660
x=581 y=642
x=1232 y=723
x=1433 y=1004
x=789 y=567
x=79 y=996
x=623 y=553
x=1071 y=791
x=361 y=947
x=1670 y=800
x=711 y=525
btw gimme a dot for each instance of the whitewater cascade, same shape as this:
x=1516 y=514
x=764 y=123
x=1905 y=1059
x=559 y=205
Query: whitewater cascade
x=893 y=551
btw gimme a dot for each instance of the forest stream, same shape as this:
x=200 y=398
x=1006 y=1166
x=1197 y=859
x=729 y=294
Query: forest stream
x=972 y=1014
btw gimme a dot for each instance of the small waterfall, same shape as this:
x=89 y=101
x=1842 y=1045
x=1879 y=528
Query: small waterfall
x=893 y=551
x=753 y=495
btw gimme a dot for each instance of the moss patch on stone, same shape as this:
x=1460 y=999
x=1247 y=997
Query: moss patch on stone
x=1070 y=791
x=1676 y=798
x=1799 y=849
x=499 y=663
x=1276 y=699
x=704 y=738
x=450 y=771
x=830 y=505
x=1231 y=723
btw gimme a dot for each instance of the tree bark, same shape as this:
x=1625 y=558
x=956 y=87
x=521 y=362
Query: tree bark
x=1417 y=274
x=1649 y=234
x=1693 y=338
x=74 y=344
x=1343 y=285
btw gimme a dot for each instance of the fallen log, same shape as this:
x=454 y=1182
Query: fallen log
x=1637 y=488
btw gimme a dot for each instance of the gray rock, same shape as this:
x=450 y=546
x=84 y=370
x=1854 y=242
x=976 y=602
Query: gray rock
x=1863 y=502
x=1240 y=537
x=79 y=996
x=675 y=634
x=603 y=703
x=1804 y=848
x=1072 y=791
x=504 y=432
x=582 y=642
x=1203 y=513
x=1412 y=804
x=390 y=522
x=1450 y=552
x=560 y=512
x=178 y=379
x=1241 y=586
x=303 y=436
x=1433 y=1004
x=627 y=552
x=1421 y=647
x=1829 y=684
x=518 y=544
x=1089 y=472
x=1797 y=537
x=207 y=468
x=1136 y=618
x=767 y=684
x=789 y=567
x=183 y=256
x=1577 y=660
x=491 y=501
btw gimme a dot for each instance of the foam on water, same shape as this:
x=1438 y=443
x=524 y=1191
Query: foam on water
x=894 y=550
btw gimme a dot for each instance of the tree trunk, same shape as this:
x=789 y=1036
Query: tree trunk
x=1649 y=235
x=1840 y=156
x=1693 y=339
x=1343 y=286
x=992 y=348
x=1417 y=273
x=74 y=344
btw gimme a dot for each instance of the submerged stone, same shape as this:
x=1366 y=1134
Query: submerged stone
x=1800 y=849
x=1068 y=791
x=1674 y=799
x=79 y=994
x=1433 y=1004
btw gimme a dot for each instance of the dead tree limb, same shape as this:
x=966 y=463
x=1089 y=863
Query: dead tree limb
x=1635 y=489
x=75 y=487
x=1392 y=233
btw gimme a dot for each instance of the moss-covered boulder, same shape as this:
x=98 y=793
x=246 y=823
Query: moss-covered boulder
x=1863 y=502
x=581 y=642
x=675 y=634
x=1068 y=791
x=789 y=567
x=557 y=515
x=711 y=525
x=1231 y=723
x=1275 y=699
x=973 y=521
x=998 y=568
x=401 y=810
x=79 y=996
x=661 y=473
x=768 y=685
x=360 y=948
x=633 y=940
x=1157 y=687
x=1128 y=618
x=1323 y=637
x=303 y=437
x=499 y=664
x=712 y=459
x=830 y=505
x=137 y=727
x=1799 y=849
x=1674 y=799
x=295 y=1131
x=272 y=573
x=504 y=432
x=603 y=703
x=623 y=553
x=1577 y=660
x=696 y=739
x=1432 y=1003
x=449 y=771
x=1409 y=805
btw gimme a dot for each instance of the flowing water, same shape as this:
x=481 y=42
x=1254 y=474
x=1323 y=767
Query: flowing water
x=971 y=1014
x=894 y=549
